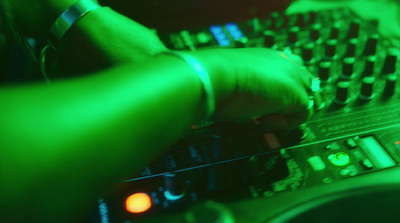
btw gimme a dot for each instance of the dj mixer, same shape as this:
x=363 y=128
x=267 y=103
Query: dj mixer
x=215 y=166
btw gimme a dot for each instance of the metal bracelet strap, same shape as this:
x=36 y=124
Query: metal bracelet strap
x=204 y=79
x=64 y=22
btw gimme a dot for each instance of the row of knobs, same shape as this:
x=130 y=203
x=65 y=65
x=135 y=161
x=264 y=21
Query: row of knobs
x=347 y=73
x=367 y=89
x=315 y=35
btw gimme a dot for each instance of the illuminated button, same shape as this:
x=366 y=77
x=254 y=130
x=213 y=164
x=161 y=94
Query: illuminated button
x=366 y=164
x=351 y=143
x=216 y=29
x=339 y=159
x=138 y=203
x=316 y=163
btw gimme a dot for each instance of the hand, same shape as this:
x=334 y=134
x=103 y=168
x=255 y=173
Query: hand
x=259 y=83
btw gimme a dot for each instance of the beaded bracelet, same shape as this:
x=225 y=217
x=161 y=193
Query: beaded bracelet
x=204 y=79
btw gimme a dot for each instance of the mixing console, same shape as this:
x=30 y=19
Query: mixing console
x=357 y=132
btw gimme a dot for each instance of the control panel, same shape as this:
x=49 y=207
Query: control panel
x=355 y=132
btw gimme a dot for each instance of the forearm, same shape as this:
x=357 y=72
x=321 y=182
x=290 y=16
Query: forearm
x=68 y=143
x=99 y=39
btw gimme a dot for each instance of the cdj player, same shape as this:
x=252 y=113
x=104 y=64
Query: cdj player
x=340 y=166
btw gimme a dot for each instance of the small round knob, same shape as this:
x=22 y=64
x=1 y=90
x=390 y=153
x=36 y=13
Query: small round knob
x=308 y=53
x=369 y=66
x=324 y=71
x=342 y=91
x=174 y=186
x=300 y=20
x=315 y=33
x=269 y=39
x=312 y=17
x=330 y=49
x=370 y=46
x=293 y=35
x=348 y=68
x=334 y=34
x=390 y=85
x=354 y=30
x=351 y=48
x=389 y=66
x=367 y=90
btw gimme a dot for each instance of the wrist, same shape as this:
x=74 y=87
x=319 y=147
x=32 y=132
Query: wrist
x=222 y=75
x=36 y=17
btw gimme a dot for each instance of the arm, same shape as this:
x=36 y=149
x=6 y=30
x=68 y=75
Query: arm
x=62 y=146
x=102 y=39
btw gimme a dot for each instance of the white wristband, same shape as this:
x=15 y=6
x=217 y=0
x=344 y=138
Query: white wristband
x=204 y=79
x=70 y=16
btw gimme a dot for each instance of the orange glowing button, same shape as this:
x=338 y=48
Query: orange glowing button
x=138 y=203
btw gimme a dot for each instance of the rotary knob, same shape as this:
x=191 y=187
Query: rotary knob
x=351 y=48
x=342 y=92
x=334 y=34
x=367 y=88
x=390 y=85
x=369 y=66
x=348 y=68
x=315 y=33
x=389 y=66
x=174 y=186
x=293 y=35
x=269 y=39
x=324 y=71
x=370 y=46
x=330 y=49
x=308 y=53
x=354 y=30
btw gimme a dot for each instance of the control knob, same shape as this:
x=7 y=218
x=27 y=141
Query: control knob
x=390 y=85
x=342 y=91
x=324 y=71
x=348 y=68
x=367 y=88
x=369 y=66
x=370 y=46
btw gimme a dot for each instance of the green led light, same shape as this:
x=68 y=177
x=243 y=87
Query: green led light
x=339 y=159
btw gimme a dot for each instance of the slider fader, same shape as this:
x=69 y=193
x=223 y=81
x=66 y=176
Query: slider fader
x=356 y=133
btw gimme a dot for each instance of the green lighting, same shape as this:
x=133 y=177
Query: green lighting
x=339 y=159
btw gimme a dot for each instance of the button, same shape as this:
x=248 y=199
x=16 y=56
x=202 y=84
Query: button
x=351 y=143
x=366 y=164
x=316 y=163
x=339 y=159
